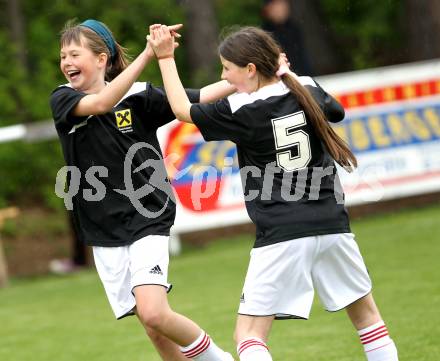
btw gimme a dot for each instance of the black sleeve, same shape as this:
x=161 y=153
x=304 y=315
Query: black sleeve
x=216 y=122
x=333 y=110
x=62 y=100
x=159 y=108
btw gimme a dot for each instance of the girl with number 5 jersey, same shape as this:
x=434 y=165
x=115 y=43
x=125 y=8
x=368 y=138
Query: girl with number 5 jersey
x=287 y=153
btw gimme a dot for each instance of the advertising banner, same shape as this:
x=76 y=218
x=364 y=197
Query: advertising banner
x=392 y=124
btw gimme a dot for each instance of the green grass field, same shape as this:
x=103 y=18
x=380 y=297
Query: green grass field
x=68 y=318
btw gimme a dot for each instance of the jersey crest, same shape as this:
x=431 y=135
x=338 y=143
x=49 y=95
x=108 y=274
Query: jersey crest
x=124 y=120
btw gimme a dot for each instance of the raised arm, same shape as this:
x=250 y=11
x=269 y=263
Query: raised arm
x=216 y=91
x=162 y=43
x=103 y=101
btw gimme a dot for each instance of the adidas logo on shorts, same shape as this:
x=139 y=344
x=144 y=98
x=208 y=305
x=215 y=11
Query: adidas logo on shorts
x=242 y=298
x=156 y=270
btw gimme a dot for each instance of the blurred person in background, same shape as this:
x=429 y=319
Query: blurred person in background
x=79 y=257
x=100 y=115
x=277 y=19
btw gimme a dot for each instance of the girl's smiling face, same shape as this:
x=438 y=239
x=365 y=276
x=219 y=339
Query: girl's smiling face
x=83 y=69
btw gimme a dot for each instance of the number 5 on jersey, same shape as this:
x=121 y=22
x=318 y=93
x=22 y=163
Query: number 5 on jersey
x=287 y=137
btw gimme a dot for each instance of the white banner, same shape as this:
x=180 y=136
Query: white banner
x=392 y=124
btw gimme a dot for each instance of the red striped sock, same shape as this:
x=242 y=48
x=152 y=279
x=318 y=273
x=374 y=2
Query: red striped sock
x=253 y=349
x=378 y=345
x=205 y=349
x=197 y=347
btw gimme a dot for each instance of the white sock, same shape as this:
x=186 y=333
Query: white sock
x=378 y=345
x=204 y=349
x=254 y=349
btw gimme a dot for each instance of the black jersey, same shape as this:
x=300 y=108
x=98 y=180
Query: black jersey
x=289 y=179
x=103 y=145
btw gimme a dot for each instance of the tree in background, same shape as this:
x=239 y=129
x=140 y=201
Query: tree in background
x=360 y=34
x=422 y=29
x=201 y=40
x=17 y=34
x=318 y=38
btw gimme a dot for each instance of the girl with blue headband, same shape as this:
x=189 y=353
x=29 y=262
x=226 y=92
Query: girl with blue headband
x=104 y=118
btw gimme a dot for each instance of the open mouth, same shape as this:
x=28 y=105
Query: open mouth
x=73 y=74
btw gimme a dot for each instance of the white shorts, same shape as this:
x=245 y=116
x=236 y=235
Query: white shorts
x=282 y=277
x=144 y=262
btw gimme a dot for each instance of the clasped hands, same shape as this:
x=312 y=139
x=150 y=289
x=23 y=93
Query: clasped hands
x=162 y=40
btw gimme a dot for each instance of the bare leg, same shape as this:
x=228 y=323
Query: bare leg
x=373 y=333
x=167 y=349
x=363 y=312
x=155 y=314
x=251 y=334
x=251 y=326
x=168 y=330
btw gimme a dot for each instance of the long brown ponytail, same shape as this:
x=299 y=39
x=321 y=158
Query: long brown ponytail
x=254 y=45
x=336 y=146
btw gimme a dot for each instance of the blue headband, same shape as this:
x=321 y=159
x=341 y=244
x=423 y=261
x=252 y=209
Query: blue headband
x=100 y=29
